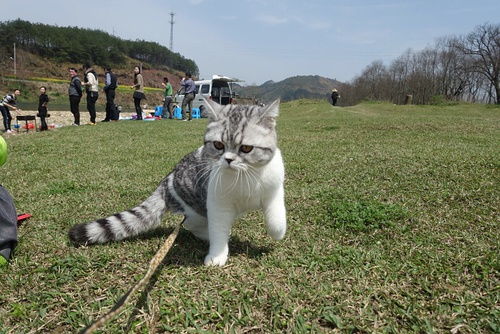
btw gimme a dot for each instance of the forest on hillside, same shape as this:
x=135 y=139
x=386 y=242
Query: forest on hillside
x=456 y=68
x=80 y=45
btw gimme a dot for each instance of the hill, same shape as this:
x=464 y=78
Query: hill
x=44 y=53
x=293 y=88
x=80 y=45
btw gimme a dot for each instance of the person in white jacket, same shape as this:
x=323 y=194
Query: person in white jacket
x=92 y=89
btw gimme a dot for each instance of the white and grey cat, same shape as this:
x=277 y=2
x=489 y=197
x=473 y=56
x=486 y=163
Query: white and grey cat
x=239 y=168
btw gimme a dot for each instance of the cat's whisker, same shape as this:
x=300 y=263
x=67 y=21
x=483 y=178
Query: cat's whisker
x=213 y=177
x=235 y=180
x=203 y=177
x=203 y=163
x=218 y=180
x=247 y=179
x=201 y=173
x=254 y=175
x=230 y=187
x=238 y=177
x=204 y=171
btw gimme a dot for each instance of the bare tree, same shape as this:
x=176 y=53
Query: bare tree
x=483 y=46
x=399 y=71
x=453 y=67
x=457 y=68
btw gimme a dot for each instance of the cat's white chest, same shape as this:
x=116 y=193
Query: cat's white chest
x=242 y=192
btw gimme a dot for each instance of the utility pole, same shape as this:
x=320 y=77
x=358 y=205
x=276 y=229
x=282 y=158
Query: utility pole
x=172 y=31
x=15 y=60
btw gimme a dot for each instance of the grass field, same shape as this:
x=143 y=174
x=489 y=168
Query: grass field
x=393 y=218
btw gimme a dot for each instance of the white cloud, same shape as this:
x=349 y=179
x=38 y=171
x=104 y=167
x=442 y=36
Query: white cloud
x=272 y=20
x=312 y=24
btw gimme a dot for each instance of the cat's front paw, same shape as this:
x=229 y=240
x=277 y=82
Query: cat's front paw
x=211 y=260
x=277 y=232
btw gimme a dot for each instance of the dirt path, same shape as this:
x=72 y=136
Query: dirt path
x=57 y=119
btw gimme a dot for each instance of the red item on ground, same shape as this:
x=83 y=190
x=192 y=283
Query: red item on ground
x=22 y=217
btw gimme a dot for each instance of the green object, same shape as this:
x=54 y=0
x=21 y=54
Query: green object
x=3 y=261
x=3 y=151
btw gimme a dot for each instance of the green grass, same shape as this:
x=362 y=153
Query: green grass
x=393 y=227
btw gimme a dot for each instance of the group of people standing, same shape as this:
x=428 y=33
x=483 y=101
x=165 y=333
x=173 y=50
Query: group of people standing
x=90 y=83
x=91 y=86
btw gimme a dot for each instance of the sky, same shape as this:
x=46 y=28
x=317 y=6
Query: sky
x=261 y=40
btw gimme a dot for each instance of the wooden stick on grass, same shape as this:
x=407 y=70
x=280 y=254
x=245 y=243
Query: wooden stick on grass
x=153 y=265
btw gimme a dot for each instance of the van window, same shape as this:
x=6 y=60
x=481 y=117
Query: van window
x=197 y=88
x=215 y=92
x=225 y=92
x=205 y=89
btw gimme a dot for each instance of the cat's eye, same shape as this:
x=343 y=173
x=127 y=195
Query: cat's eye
x=246 y=148
x=218 y=145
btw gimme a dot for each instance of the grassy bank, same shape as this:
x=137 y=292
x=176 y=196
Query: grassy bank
x=393 y=227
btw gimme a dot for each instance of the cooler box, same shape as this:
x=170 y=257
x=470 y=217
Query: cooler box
x=195 y=113
x=178 y=112
x=158 y=110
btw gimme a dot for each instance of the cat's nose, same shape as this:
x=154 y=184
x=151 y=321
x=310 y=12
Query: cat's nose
x=229 y=161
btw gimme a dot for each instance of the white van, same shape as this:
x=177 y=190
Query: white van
x=217 y=89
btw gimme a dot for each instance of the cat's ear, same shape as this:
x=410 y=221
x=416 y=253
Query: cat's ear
x=212 y=109
x=272 y=110
x=269 y=114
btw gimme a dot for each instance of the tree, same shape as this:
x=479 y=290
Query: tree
x=483 y=46
x=78 y=45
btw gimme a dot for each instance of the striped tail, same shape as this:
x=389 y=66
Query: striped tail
x=125 y=224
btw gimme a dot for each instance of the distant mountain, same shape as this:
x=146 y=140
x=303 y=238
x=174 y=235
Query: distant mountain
x=298 y=87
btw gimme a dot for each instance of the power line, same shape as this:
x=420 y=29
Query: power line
x=15 y=60
x=172 y=31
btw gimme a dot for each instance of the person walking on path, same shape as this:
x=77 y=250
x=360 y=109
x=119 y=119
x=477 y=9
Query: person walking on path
x=75 y=95
x=43 y=100
x=189 y=93
x=110 y=84
x=335 y=96
x=7 y=103
x=139 y=91
x=92 y=89
x=167 y=102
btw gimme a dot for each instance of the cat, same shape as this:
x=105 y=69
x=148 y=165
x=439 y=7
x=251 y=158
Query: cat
x=239 y=168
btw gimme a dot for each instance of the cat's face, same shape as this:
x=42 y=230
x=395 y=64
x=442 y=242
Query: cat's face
x=240 y=137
